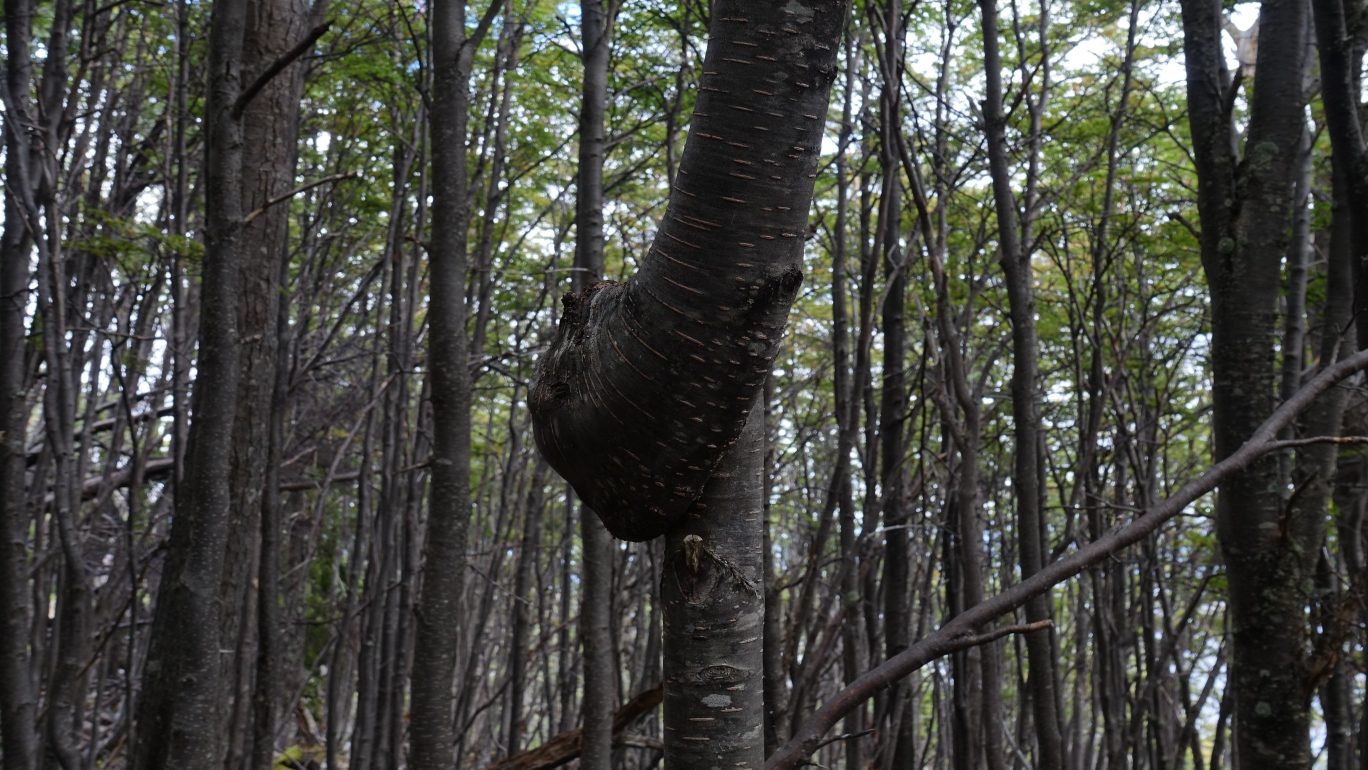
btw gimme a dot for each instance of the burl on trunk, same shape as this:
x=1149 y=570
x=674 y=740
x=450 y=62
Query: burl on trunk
x=649 y=382
x=648 y=400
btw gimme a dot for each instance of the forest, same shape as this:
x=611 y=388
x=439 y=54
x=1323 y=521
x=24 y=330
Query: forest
x=683 y=384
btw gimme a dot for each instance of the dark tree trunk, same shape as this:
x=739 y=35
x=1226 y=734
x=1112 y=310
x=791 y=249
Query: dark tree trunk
x=520 y=633
x=1246 y=216
x=270 y=136
x=679 y=354
x=714 y=612
x=180 y=712
x=266 y=694
x=17 y=702
x=847 y=422
x=892 y=395
x=646 y=338
x=1340 y=61
x=1025 y=415
x=596 y=601
x=438 y=621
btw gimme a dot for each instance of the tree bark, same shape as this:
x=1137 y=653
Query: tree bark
x=528 y=553
x=622 y=348
x=892 y=394
x=714 y=611
x=18 y=705
x=180 y=713
x=679 y=354
x=266 y=693
x=596 y=584
x=1340 y=59
x=1246 y=215
x=1025 y=413
x=438 y=621
x=270 y=138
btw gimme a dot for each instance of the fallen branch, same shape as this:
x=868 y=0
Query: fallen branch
x=562 y=748
x=960 y=632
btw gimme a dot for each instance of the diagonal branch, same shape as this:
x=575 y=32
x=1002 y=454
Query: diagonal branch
x=959 y=632
x=247 y=220
x=278 y=66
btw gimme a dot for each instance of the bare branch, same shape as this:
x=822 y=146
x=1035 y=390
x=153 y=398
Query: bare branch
x=950 y=637
x=247 y=220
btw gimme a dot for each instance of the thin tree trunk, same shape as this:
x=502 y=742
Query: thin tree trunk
x=270 y=138
x=1340 y=43
x=600 y=676
x=520 y=632
x=772 y=632
x=1025 y=416
x=439 y=619
x=267 y=691
x=180 y=714
x=17 y=700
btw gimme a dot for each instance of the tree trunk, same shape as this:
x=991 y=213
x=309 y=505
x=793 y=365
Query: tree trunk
x=1025 y=415
x=1246 y=216
x=270 y=137
x=180 y=713
x=892 y=396
x=520 y=633
x=680 y=353
x=714 y=612
x=17 y=700
x=596 y=601
x=1340 y=60
x=439 y=619
x=266 y=693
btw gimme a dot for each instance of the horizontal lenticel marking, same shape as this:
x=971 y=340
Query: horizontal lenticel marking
x=682 y=286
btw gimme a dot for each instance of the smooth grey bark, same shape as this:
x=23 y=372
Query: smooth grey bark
x=600 y=676
x=596 y=579
x=180 y=712
x=714 y=610
x=529 y=551
x=432 y=678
